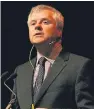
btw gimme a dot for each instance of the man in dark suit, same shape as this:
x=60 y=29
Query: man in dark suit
x=54 y=78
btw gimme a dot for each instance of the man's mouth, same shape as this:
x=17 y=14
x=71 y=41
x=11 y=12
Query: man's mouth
x=38 y=34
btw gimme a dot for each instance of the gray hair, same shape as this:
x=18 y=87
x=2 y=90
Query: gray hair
x=57 y=15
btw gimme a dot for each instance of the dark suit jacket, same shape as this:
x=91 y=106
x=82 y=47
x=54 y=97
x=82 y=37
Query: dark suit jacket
x=69 y=84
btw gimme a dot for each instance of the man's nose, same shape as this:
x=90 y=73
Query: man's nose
x=38 y=27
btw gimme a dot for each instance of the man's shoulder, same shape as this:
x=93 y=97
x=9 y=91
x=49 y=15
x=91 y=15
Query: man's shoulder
x=74 y=58
x=26 y=65
x=79 y=57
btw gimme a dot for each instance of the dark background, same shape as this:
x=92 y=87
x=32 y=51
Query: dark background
x=15 y=46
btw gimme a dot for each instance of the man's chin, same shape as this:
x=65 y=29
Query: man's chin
x=38 y=43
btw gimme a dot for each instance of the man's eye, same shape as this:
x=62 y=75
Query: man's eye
x=46 y=22
x=33 y=23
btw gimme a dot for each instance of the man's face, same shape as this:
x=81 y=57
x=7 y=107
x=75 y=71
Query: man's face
x=42 y=27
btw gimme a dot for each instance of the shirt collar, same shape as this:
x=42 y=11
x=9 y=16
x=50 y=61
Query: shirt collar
x=40 y=55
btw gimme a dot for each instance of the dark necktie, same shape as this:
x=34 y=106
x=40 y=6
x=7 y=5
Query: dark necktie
x=40 y=77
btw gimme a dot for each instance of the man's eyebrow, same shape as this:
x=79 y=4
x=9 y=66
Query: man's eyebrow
x=33 y=21
x=45 y=19
x=40 y=19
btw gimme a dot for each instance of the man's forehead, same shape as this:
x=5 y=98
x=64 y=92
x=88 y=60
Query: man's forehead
x=42 y=13
x=41 y=10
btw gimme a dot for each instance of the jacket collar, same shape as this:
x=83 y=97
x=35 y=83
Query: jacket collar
x=59 y=64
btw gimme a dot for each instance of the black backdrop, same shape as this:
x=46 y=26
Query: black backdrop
x=15 y=46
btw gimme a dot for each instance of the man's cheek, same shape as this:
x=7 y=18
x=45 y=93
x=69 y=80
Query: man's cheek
x=49 y=32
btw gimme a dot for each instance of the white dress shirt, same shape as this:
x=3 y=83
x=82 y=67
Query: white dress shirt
x=48 y=64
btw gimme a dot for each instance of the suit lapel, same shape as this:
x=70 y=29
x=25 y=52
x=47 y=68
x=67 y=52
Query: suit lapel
x=24 y=83
x=59 y=64
x=33 y=63
x=30 y=82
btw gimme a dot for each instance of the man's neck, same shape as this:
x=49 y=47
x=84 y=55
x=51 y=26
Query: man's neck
x=50 y=52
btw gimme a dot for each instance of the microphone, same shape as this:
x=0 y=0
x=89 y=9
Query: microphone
x=51 y=42
x=6 y=72
x=30 y=57
x=57 y=39
x=12 y=76
x=32 y=106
